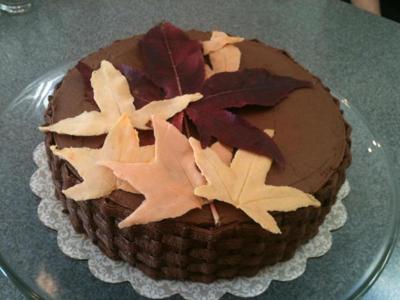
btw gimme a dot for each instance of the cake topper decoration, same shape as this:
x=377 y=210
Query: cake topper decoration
x=235 y=90
x=218 y=41
x=178 y=71
x=142 y=88
x=223 y=56
x=242 y=184
x=174 y=68
x=121 y=144
x=173 y=169
x=172 y=60
x=113 y=97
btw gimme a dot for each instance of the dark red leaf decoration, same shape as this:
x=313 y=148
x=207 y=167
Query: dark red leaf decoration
x=175 y=63
x=235 y=90
x=247 y=87
x=144 y=91
x=177 y=120
x=172 y=60
x=146 y=137
x=234 y=131
x=142 y=88
x=86 y=73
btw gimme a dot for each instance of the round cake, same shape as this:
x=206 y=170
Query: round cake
x=309 y=130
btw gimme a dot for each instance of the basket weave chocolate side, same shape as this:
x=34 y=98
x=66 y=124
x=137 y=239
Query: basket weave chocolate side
x=176 y=250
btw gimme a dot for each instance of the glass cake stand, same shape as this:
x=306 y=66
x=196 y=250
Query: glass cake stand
x=30 y=257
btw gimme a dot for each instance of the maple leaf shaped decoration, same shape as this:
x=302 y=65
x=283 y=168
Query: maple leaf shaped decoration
x=113 y=97
x=224 y=57
x=142 y=88
x=219 y=40
x=242 y=184
x=235 y=90
x=173 y=169
x=172 y=60
x=121 y=144
x=175 y=63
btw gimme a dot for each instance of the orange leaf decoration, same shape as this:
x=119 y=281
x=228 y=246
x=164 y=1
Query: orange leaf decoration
x=167 y=182
x=121 y=144
x=242 y=184
x=113 y=97
x=224 y=57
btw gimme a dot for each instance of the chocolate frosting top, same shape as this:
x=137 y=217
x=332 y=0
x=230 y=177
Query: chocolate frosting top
x=309 y=127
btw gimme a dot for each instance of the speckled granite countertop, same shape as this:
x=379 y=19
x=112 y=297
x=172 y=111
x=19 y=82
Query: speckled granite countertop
x=354 y=53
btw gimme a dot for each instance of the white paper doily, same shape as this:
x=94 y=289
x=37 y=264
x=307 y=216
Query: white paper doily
x=79 y=247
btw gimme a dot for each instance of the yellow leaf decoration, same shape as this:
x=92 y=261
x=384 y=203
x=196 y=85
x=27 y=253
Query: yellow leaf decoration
x=218 y=40
x=163 y=109
x=121 y=144
x=167 y=182
x=113 y=97
x=242 y=184
x=224 y=57
x=224 y=152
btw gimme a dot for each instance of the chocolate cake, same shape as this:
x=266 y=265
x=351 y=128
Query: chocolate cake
x=310 y=132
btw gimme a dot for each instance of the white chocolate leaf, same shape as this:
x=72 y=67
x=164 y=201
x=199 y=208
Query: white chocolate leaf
x=226 y=59
x=85 y=124
x=218 y=40
x=121 y=144
x=112 y=96
x=167 y=182
x=111 y=91
x=96 y=182
x=224 y=152
x=242 y=184
x=163 y=109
